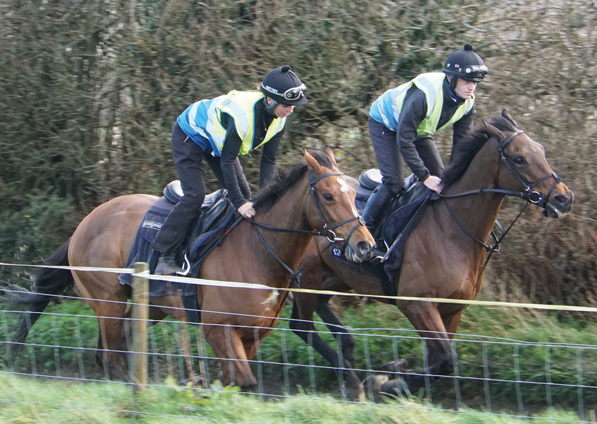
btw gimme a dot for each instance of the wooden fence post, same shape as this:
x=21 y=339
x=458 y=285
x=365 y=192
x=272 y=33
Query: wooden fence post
x=140 y=317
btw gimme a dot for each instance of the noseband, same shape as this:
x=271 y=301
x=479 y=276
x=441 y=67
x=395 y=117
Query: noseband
x=327 y=232
x=530 y=195
x=323 y=213
x=330 y=233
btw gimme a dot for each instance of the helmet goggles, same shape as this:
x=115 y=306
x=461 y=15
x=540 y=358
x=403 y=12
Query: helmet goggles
x=476 y=69
x=293 y=93
x=466 y=64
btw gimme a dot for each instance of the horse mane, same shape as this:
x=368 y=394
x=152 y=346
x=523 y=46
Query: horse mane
x=284 y=179
x=469 y=146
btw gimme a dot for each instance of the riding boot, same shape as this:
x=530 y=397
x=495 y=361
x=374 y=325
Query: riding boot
x=373 y=213
x=167 y=265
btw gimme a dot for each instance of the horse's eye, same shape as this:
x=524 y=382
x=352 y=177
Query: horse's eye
x=328 y=197
x=519 y=160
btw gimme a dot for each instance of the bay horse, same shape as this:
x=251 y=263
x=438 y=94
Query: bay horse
x=308 y=199
x=443 y=257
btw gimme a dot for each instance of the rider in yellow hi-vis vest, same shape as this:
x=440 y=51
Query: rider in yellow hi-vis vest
x=403 y=120
x=218 y=130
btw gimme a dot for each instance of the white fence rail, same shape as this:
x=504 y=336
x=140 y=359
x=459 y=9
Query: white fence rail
x=492 y=374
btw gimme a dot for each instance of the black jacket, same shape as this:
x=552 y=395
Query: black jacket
x=414 y=110
x=232 y=144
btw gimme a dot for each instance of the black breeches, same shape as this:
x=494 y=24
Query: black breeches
x=188 y=160
x=389 y=158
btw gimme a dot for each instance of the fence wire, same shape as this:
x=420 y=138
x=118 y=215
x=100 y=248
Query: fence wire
x=492 y=374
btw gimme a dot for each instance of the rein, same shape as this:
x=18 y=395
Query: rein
x=322 y=210
x=530 y=195
x=327 y=232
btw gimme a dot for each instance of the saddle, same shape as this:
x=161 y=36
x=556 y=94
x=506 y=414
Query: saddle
x=400 y=208
x=403 y=215
x=205 y=233
x=216 y=213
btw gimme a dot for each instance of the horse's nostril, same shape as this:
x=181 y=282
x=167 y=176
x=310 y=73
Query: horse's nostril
x=562 y=199
x=365 y=247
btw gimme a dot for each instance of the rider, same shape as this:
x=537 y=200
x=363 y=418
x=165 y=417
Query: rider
x=403 y=120
x=218 y=130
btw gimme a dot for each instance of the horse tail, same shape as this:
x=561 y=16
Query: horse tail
x=48 y=283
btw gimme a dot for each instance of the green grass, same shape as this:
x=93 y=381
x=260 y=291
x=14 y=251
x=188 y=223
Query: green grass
x=25 y=400
x=495 y=328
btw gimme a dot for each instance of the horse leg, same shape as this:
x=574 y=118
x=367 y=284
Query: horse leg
x=301 y=323
x=172 y=305
x=451 y=322
x=185 y=341
x=252 y=345
x=100 y=360
x=440 y=358
x=110 y=313
x=155 y=316
x=234 y=365
x=112 y=341
x=345 y=340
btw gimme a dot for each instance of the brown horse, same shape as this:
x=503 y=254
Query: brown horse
x=310 y=198
x=443 y=257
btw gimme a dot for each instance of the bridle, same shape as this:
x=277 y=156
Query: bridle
x=321 y=210
x=530 y=195
x=327 y=232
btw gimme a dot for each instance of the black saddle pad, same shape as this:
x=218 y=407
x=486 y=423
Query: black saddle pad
x=406 y=212
x=402 y=209
x=206 y=232
x=400 y=224
x=375 y=270
x=141 y=250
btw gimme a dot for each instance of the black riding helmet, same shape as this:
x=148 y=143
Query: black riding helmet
x=465 y=64
x=284 y=86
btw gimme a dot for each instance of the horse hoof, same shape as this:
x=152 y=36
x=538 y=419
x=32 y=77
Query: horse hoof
x=373 y=386
x=395 y=366
x=394 y=388
x=194 y=382
x=355 y=393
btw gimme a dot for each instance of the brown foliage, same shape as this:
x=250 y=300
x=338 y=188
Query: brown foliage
x=91 y=90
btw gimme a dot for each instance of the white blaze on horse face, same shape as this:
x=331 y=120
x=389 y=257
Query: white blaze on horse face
x=345 y=189
x=536 y=146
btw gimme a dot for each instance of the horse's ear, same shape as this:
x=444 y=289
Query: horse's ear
x=493 y=131
x=312 y=163
x=328 y=151
x=507 y=116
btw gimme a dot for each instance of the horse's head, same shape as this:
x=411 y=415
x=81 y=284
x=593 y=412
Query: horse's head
x=333 y=209
x=525 y=169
